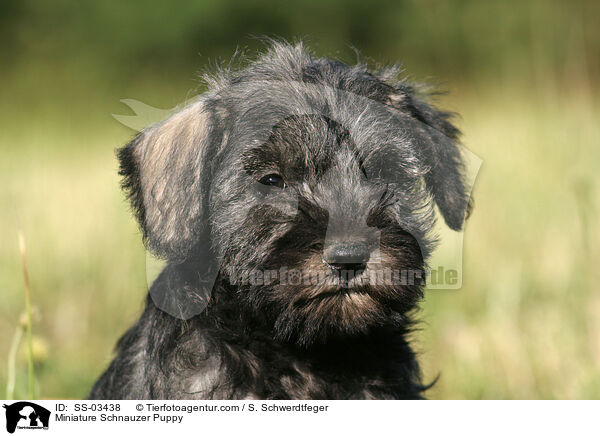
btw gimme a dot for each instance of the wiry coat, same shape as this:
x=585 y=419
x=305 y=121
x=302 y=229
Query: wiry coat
x=362 y=157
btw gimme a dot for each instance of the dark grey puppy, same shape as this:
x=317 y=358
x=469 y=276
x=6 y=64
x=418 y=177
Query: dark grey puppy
x=294 y=204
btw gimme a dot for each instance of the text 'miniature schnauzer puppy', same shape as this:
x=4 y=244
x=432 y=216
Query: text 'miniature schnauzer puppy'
x=293 y=202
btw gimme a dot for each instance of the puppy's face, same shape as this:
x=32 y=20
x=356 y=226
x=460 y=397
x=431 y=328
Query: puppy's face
x=310 y=183
x=316 y=235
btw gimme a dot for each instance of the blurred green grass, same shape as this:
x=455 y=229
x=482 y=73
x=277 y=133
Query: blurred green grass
x=523 y=76
x=524 y=325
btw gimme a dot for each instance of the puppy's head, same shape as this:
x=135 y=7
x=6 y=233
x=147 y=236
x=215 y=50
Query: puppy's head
x=310 y=184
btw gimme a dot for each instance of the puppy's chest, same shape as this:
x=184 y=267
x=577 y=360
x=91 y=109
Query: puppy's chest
x=303 y=382
x=294 y=380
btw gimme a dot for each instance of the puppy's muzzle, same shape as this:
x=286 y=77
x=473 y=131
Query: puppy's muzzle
x=347 y=256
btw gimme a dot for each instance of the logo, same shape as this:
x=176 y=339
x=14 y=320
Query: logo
x=26 y=415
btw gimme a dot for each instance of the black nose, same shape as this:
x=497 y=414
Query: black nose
x=347 y=256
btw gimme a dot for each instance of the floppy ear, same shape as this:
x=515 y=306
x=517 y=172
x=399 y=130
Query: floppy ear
x=163 y=176
x=437 y=140
x=446 y=180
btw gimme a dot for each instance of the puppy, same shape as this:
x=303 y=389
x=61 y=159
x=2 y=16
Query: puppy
x=293 y=202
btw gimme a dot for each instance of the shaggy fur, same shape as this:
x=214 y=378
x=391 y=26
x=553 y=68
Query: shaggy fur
x=281 y=167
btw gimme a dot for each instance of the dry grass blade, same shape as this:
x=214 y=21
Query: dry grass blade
x=30 y=376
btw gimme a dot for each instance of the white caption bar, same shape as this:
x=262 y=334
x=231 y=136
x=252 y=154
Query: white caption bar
x=301 y=417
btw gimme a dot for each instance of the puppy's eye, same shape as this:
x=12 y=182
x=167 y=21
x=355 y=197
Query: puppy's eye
x=273 y=180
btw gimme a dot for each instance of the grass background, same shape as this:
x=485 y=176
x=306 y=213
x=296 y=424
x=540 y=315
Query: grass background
x=523 y=76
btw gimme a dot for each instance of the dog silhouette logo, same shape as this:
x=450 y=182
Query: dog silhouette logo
x=26 y=415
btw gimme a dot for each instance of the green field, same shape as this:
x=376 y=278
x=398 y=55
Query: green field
x=526 y=323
